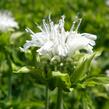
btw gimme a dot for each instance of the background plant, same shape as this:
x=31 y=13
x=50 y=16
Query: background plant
x=26 y=93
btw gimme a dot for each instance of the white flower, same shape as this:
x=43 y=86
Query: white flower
x=7 y=21
x=54 y=40
x=107 y=72
x=107 y=2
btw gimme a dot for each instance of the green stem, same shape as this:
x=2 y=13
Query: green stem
x=9 y=78
x=59 y=104
x=47 y=98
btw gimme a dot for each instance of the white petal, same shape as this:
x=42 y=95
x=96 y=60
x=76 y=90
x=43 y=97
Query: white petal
x=40 y=38
x=91 y=42
x=46 y=48
x=77 y=43
x=61 y=51
x=89 y=36
x=89 y=49
x=28 y=44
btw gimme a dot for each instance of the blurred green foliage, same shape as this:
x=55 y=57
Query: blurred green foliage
x=26 y=92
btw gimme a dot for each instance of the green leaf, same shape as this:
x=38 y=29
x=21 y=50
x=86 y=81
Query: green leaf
x=36 y=74
x=81 y=71
x=59 y=79
x=96 y=80
x=23 y=70
x=87 y=102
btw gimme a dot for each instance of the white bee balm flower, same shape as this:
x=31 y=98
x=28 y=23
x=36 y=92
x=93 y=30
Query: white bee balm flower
x=54 y=40
x=7 y=21
x=107 y=2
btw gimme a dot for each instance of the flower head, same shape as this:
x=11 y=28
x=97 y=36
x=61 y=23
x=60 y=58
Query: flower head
x=54 y=40
x=7 y=21
x=107 y=72
x=107 y=2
